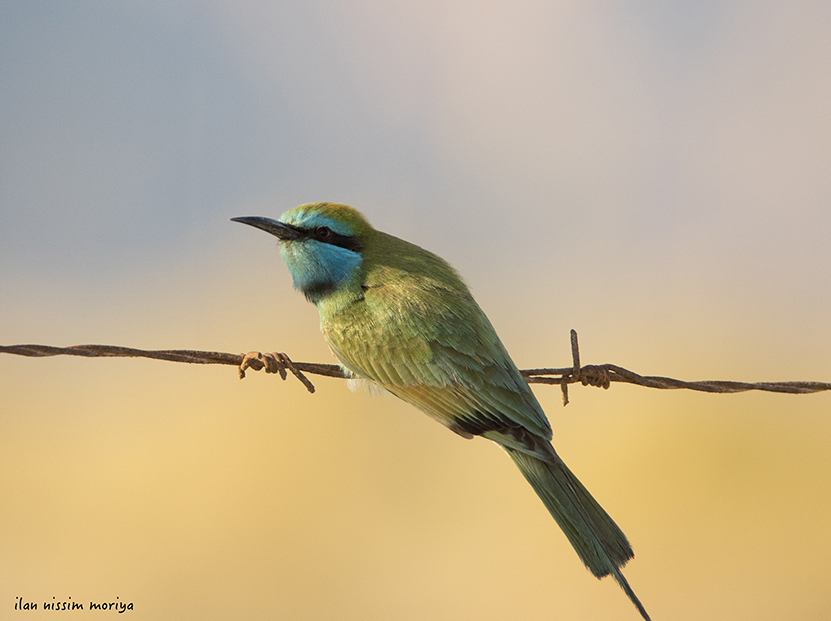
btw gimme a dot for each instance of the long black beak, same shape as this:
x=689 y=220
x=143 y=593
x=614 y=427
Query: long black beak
x=279 y=229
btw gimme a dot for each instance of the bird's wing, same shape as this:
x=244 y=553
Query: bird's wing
x=436 y=349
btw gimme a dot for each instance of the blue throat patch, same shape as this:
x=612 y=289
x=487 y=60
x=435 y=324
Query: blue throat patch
x=319 y=269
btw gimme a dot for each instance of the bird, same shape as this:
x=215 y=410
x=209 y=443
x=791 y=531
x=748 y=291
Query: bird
x=403 y=318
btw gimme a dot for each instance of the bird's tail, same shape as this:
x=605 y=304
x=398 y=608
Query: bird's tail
x=599 y=542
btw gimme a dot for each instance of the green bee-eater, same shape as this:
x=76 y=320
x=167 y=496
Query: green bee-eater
x=402 y=317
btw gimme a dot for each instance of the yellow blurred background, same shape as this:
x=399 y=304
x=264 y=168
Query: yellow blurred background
x=656 y=178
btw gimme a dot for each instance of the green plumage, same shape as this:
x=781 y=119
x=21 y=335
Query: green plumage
x=409 y=323
x=403 y=318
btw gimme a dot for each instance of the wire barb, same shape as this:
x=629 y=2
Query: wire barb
x=602 y=375
x=276 y=362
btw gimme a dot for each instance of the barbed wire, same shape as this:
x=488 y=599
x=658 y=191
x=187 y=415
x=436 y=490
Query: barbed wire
x=600 y=375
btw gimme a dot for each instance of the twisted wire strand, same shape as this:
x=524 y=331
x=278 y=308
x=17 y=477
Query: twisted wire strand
x=589 y=375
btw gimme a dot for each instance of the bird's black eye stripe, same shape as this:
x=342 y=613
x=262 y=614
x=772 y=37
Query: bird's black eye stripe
x=328 y=236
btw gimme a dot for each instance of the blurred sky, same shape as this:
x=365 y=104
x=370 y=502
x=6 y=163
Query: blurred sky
x=654 y=175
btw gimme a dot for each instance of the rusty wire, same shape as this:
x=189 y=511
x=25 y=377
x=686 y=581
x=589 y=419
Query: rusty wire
x=601 y=375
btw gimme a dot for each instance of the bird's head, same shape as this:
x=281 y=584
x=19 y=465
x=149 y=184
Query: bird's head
x=321 y=243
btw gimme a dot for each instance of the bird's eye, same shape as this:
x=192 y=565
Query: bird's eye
x=323 y=232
